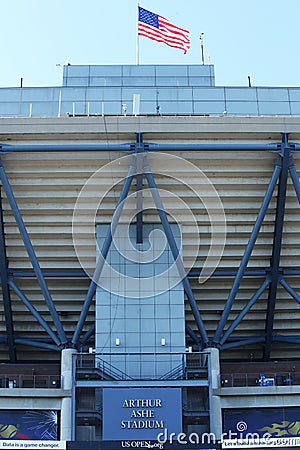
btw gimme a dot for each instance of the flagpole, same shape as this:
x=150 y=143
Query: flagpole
x=137 y=56
x=202 y=48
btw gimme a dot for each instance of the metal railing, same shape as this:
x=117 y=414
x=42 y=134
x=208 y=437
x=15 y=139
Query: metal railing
x=12 y=381
x=147 y=366
x=260 y=379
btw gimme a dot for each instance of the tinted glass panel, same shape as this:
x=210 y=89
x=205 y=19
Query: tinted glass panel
x=145 y=93
x=272 y=94
x=139 y=71
x=274 y=108
x=295 y=107
x=175 y=94
x=73 y=94
x=209 y=107
x=208 y=93
x=171 y=81
x=167 y=71
x=12 y=95
x=241 y=94
x=77 y=82
x=139 y=81
x=103 y=71
x=105 y=81
x=242 y=108
x=198 y=70
x=294 y=95
x=78 y=71
x=200 y=81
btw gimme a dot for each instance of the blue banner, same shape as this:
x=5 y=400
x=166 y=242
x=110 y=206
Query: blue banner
x=141 y=413
x=274 y=422
x=28 y=425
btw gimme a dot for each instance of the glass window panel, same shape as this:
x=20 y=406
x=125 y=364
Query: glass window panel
x=176 y=107
x=77 y=82
x=112 y=94
x=169 y=70
x=106 y=71
x=12 y=95
x=94 y=108
x=78 y=71
x=175 y=94
x=73 y=108
x=44 y=108
x=171 y=81
x=38 y=94
x=73 y=94
x=295 y=107
x=201 y=81
x=209 y=107
x=208 y=93
x=272 y=94
x=139 y=81
x=9 y=108
x=94 y=94
x=246 y=108
x=145 y=93
x=294 y=95
x=198 y=70
x=274 y=108
x=139 y=71
x=148 y=108
x=241 y=93
x=106 y=81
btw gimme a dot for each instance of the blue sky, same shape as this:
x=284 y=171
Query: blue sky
x=256 y=38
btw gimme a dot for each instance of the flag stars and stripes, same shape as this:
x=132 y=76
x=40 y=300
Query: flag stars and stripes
x=159 y=29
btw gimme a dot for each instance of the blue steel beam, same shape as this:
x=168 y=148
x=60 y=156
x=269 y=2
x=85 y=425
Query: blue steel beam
x=290 y=339
x=37 y=344
x=243 y=342
x=245 y=310
x=5 y=291
x=88 y=334
x=290 y=290
x=104 y=252
x=295 y=180
x=7 y=148
x=175 y=252
x=247 y=253
x=34 y=312
x=277 y=242
x=31 y=253
x=194 y=273
x=192 y=335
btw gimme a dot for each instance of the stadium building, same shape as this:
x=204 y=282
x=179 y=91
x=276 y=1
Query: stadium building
x=149 y=248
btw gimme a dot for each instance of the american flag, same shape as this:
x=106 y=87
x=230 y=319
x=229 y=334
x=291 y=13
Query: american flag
x=160 y=29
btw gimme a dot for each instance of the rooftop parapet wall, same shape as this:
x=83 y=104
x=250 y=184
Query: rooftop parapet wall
x=146 y=90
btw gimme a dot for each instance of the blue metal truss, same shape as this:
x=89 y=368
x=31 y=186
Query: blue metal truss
x=139 y=168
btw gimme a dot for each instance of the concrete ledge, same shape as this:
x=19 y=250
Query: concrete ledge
x=30 y=392
x=259 y=390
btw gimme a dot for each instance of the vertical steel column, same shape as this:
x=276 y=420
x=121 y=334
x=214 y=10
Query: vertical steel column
x=31 y=253
x=6 y=291
x=104 y=252
x=277 y=242
x=175 y=252
x=247 y=253
x=139 y=188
